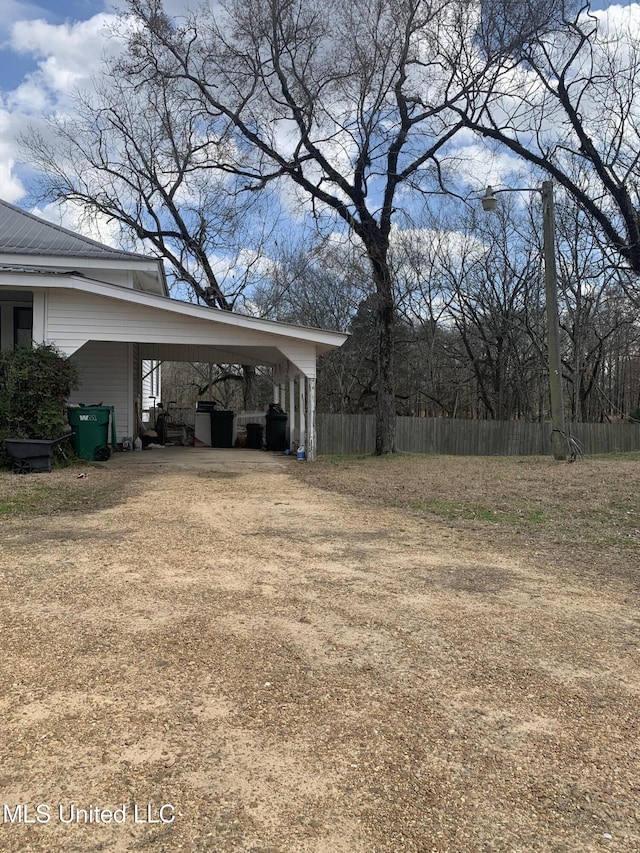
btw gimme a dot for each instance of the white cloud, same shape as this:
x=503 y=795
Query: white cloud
x=617 y=15
x=11 y=188
x=479 y=165
x=66 y=55
x=12 y=11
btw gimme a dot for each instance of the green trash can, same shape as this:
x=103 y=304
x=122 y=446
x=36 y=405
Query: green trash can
x=90 y=425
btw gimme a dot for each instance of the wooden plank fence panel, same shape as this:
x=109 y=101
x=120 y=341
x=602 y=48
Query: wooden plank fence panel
x=355 y=434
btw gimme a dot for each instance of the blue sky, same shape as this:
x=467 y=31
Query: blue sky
x=48 y=47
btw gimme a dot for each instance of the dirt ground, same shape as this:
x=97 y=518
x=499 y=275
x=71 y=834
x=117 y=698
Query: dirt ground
x=370 y=656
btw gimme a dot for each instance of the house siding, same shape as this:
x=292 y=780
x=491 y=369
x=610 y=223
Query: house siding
x=303 y=356
x=105 y=379
x=151 y=380
x=74 y=317
x=135 y=390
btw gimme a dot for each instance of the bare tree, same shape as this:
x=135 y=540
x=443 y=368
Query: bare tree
x=313 y=282
x=597 y=314
x=493 y=282
x=347 y=101
x=137 y=155
x=565 y=97
x=423 y=303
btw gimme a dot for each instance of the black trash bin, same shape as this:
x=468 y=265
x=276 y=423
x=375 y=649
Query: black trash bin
x=221 y=428
x=276 y=430
x=254 y=436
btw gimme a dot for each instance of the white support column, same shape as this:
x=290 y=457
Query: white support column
x=311 y=420
x=39 y=327
x=133 y=390
x=303 y=403
x=292 y=406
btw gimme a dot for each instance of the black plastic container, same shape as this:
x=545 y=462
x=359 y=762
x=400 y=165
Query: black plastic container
x=254 y=436
x=32 y=454
x=276 y=433
x=221 y=428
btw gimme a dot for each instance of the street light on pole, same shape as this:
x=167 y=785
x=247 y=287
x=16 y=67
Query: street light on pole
x=489 y=203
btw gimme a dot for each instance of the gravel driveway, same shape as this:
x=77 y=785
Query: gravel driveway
x=231 y=659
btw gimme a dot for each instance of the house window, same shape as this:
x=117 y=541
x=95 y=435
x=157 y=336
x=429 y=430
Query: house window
x=22 y=327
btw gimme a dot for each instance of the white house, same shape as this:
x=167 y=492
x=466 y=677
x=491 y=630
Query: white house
x=110 y=311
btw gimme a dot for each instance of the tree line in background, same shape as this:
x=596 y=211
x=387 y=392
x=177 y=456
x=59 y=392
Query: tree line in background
x=214 y=137
x=470 y=328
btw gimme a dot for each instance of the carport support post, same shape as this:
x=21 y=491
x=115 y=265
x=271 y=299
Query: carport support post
x=302 y=401
x=292 y=406
x=310 y=446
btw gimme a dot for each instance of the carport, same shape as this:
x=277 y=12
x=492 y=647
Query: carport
x=110 y=311
x=129 y=327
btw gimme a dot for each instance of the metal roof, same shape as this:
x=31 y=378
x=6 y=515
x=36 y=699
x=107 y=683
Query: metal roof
x=24 y=233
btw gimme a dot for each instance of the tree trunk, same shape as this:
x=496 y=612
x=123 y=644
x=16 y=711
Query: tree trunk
x=249 y=388
x=377 y=248
x=385 y=408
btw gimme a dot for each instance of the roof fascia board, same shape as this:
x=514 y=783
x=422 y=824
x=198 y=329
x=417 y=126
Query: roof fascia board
x=132 y=262
x=303 y=356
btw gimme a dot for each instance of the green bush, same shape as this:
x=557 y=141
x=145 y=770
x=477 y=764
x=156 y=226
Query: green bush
x=34 y=383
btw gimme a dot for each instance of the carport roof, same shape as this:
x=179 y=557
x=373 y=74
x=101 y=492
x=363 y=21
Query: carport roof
x=80 y=309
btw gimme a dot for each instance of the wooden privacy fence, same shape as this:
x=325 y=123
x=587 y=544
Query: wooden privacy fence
x=356 y=434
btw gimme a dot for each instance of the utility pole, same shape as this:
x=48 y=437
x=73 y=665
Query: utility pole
x=558 y=439
x=489 y=202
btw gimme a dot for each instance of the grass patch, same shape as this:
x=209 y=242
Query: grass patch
x=218 y=475
x=35 y=501
x=455 y=510
x=632 y=456
x=582 y=510
x=346 y=458
x=61 y=491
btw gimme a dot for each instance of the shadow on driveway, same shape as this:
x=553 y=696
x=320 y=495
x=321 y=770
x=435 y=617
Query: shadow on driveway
x=234 y=458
